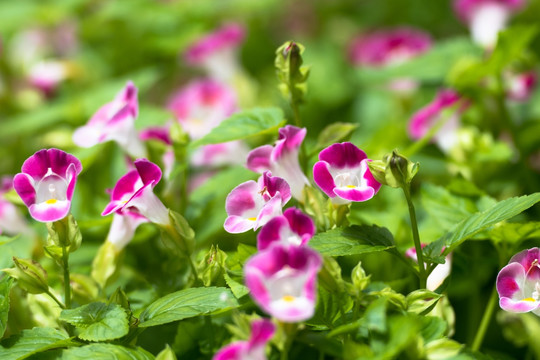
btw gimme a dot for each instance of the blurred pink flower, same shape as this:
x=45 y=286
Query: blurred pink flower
x=520 y=86
x=253 y=349
x=11 y=220
x=293 y=227
x=439 y=273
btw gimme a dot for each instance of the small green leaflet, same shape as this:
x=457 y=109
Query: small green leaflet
x=5 y=287
x=256 y=121
x=479 y=221
x=353 y=240
x=32 y=341
x=106 y=352
x=187 y=303
x=98 y=321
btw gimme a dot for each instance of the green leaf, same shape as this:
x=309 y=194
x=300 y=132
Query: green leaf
x=515 y=233
x=421 y=300
x=433 y=328
x=353 y=240
x=442 y=349
x=187 y=303
x=431 y=66
x=237 y=288
x=480 y=221
x=256 y=121
x=166 y=354
x=445 y=208
x=32 y=341
x=329 y=308
x=106 y=352
x=5 y=287
x=98 y=321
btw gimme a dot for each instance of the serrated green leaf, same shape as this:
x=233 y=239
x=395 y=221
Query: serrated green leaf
x=445 y=208
x=353 y=240
x=187 y=303
x=106 y=352
x=98 y=321
x=237 y=289
x=33 y=341
x=421 y=300
x=5 y=287
x=244 y=124
x=480 y=221
x=514 y=233
x=433 y=328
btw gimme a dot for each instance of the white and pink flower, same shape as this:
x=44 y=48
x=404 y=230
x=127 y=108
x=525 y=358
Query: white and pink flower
x=343 y=174
x=47 y=182
x=518 y=283
x=114 y=121
x=388 y=47
x=11 y=220
x=252 y=204
x=439 y=273
x=217 y=52
x=486 y=18
x=428 y=116
x=253 y=349
x=293 y=227
x=520 y=86
x=283 y=280
x=282 y=159
x=134 y=193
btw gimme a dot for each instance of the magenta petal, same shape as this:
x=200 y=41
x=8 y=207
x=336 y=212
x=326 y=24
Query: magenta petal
x=510 y=279
x=274 y=184
x=258 y=159
x=261 y=331
x=271 y=232
x=270 y=210
x=342 y=155
x=518 y=306
x=323 y=178
x=241 y=198
x=126 y=186
x=235 y=224
x=529 y=260
x=299 y=222
x=47 y=213
x=24 y=186
x=356 y=194
x=233 y=351
x=58 y=161
x=290 y=139
x=148 y=171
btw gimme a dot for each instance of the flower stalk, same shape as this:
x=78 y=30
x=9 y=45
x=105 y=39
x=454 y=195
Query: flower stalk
x=484 y=323
x=422 y=275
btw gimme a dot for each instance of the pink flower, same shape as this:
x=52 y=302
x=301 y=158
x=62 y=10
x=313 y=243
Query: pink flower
x=282 y=281
x=47 y=75
x=215 y=155
x=520 y=86
x=252 y=204
x=486 y=17
x=217 y=52
x=282 y=159
x=518 y=283
x=202 y=105
x=134 y=193
x=114 y=121
x=161 y=134
x=123 y=228
x=11 y=220
x=424 y=119
x=388 y=47
x=47 y=182
x=293 y=227
x=343 y=174
x=253 y=349
x=439 y=273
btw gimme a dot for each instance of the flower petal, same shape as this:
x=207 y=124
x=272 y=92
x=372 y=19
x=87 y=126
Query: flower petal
x=46 y=212
x=510 y=280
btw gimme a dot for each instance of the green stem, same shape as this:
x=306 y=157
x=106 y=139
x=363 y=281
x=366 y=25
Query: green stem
x=51 y=295
x=488 y=314
x=290 y=332
x=67 y=284
x=416 y=237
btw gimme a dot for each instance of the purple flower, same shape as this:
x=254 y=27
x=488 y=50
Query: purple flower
x=202 y=105
x=343 y=174
x=114 y=121
x=293 y=227
x=46 y=183
x=486 y=17
x=282 y=280
x=253 y=349
x=282 y=159
x=252 y=204
x=424 y=119
x=134 y=193
x=388 y=47
x=217 y=52
x=518 y=283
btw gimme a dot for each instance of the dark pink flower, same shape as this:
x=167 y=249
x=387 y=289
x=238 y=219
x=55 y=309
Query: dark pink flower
x=343 y=174
x=134 y=193
x=518 y=283
x=252 y=204
x=520 y=86
x=486 y=17
x=388 y=47
x=282 y=159
x=283 y=281
x=293 y=227
x=47 y=182
x=253 y=349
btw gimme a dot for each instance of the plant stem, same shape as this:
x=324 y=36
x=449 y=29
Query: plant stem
x=486 y=318
x=416 y=237
x=290 y=332
x=67 y=284
x=51 y=295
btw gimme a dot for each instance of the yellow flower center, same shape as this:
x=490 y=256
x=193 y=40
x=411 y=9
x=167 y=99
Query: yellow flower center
x=51 y=201
x=528 y=299
x=288 y=298
x=351 y=186
x=252 y=219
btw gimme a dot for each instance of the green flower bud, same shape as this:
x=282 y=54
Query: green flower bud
x=291 y=74
x=359 y=278
x=213 y=267
x=64 y=233
x=30 y=275
x=330 y=275
x=395 y=170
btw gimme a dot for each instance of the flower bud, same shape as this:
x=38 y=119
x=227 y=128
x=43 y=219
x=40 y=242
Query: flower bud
x=395 y=170
x=30 y=275
x=213 y=266
x=291 y=73
x=359 y=278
